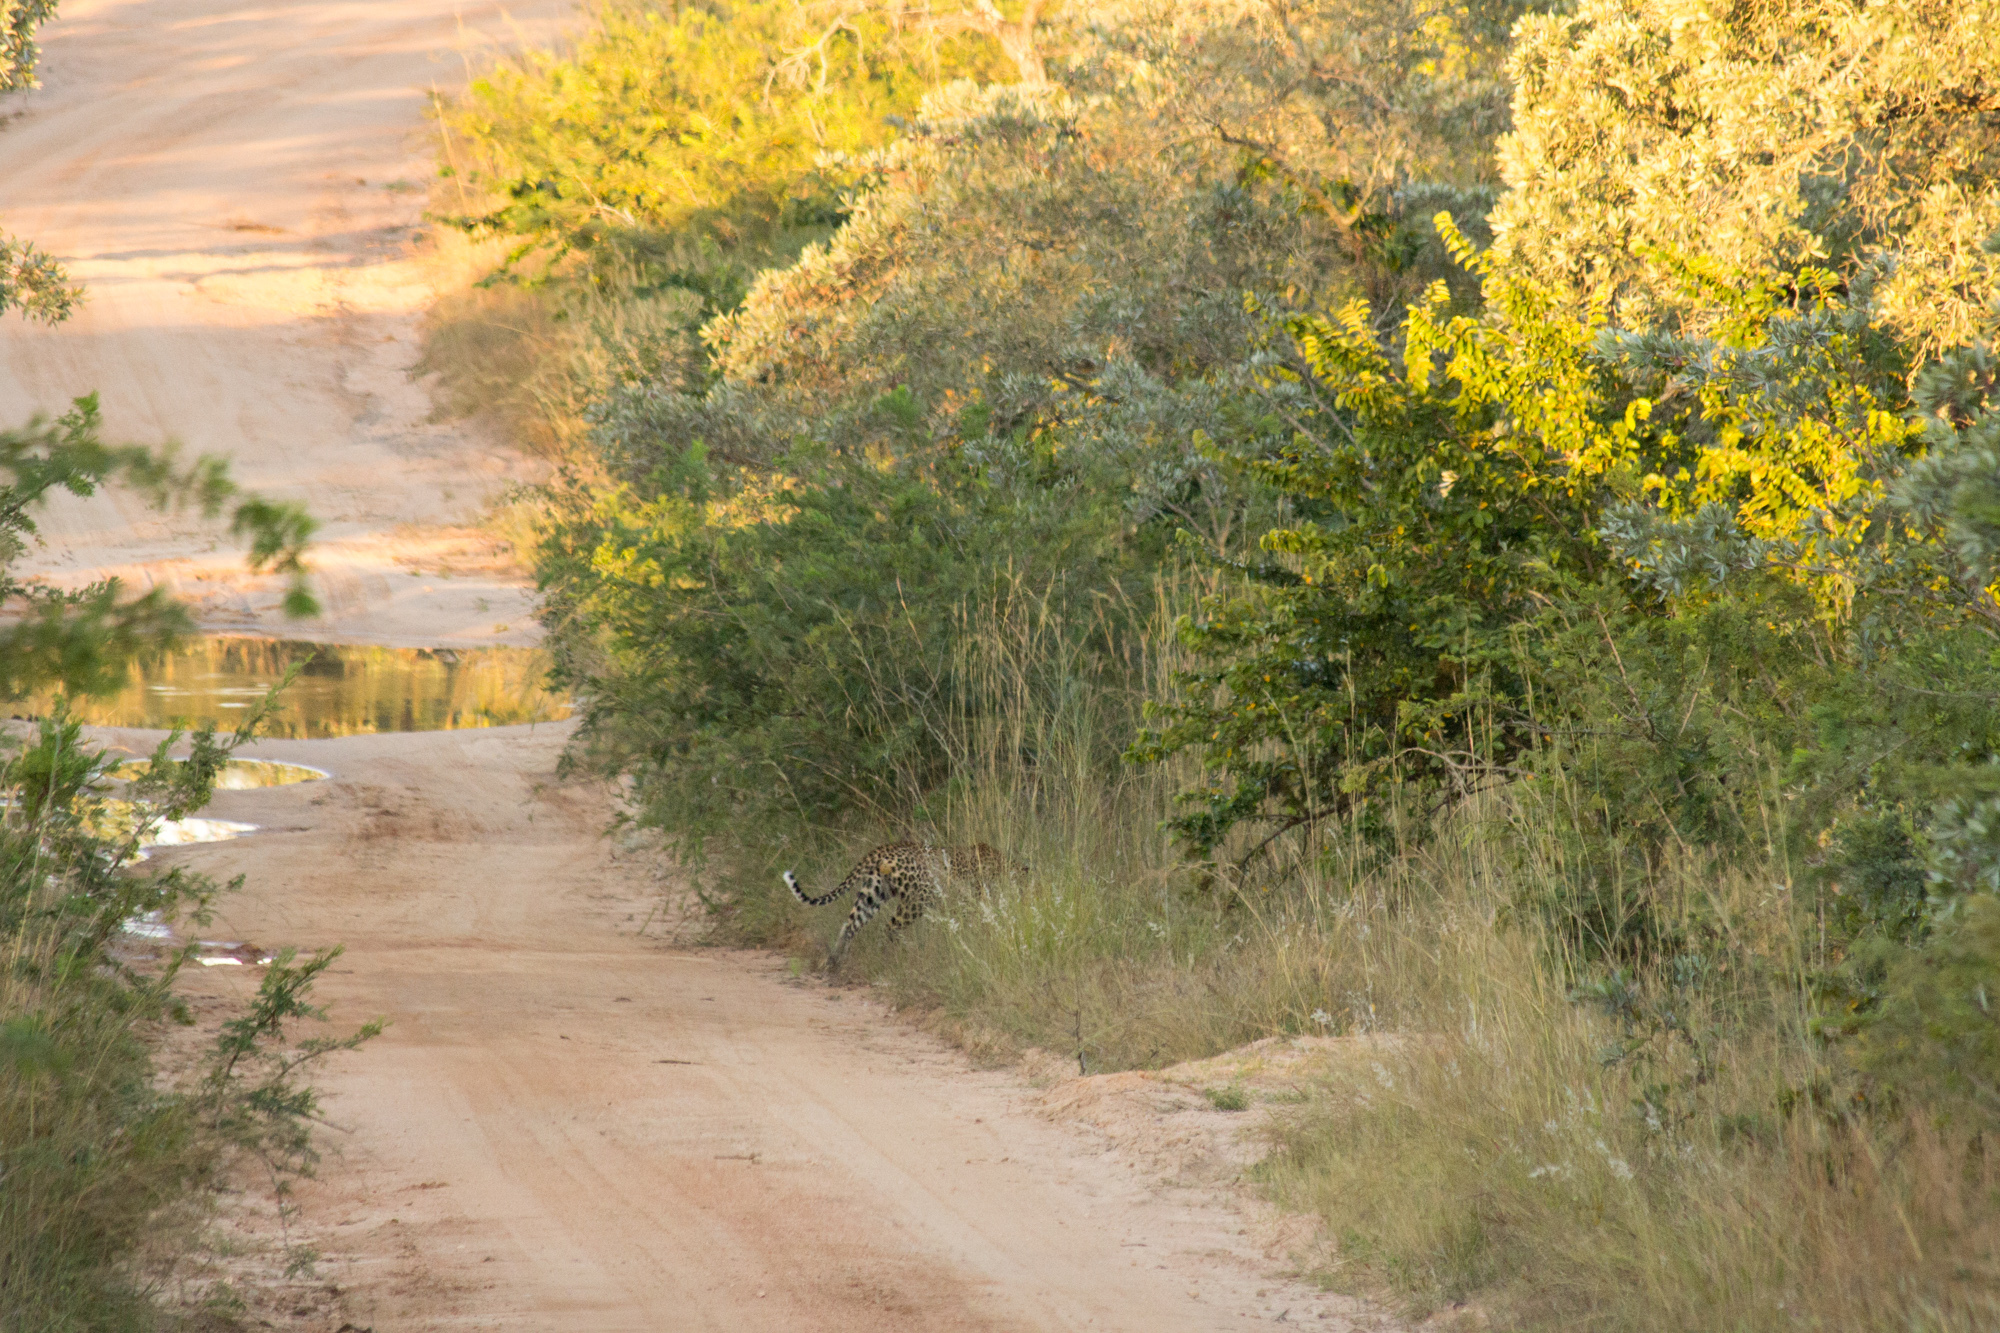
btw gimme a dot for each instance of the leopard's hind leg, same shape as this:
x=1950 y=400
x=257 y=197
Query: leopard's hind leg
x=869 y=897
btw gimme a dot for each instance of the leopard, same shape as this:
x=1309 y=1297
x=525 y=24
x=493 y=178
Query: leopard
x=913 y=875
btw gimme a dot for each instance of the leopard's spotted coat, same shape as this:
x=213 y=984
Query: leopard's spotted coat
x=913 y=875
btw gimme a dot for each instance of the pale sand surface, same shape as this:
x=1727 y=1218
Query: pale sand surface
x=238 y=186
x=571 y=1125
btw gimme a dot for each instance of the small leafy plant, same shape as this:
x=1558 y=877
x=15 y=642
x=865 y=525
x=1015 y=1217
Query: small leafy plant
x=1234 y=1097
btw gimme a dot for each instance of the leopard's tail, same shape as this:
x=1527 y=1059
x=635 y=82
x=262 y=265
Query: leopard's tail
x=792 y=883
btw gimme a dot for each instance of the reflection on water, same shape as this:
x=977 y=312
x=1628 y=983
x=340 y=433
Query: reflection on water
x=181 y=832
x=152 y=930
x=237 y=774
x=116 y=820
x=344 y=689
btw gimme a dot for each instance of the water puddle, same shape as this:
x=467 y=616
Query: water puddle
x=229 y=953
x=342 y=690
x=115 y=821
x=151 y=926
x=118 y=818
x=152 y=929
x=239 y=774
x=186 y=832
x=250 y=774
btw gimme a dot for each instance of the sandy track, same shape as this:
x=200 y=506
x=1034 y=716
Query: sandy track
x=572 y=1126
x=569 y=1126
x=238 y=186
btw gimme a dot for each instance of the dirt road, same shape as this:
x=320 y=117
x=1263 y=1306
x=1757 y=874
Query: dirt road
x=571 y=1126
x=238 y=186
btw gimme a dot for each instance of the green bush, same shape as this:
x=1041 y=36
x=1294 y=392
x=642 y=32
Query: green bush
x=105 y=1160
x=788 y=650
x=1371 y=642
x=103 y=1156
x=1928 y=1036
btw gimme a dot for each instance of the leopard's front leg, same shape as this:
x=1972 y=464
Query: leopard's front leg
x=907 y=911
x=913 y=904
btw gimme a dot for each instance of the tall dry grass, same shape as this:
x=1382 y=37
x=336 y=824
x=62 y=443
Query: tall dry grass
x=1096 y=949
x=531 y=358
x=1562 y=1143
x=1570 y=1165
x=97 y=1163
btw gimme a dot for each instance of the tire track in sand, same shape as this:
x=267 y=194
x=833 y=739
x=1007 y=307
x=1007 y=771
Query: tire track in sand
x=570 y=1126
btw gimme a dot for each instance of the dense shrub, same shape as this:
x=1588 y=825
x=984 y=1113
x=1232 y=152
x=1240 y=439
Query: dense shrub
x=764 y=651
x=1767 y=137
x=679 y=136
x=1581 y=676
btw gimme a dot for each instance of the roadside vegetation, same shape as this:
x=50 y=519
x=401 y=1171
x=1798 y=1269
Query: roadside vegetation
x=1468 y=524
x=108 y=1158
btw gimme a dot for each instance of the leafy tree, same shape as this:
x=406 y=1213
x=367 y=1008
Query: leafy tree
x=1767 y=138
x=81 y=641
x=1042 y=271
x=1075 y=256
x=1016 y=37
x=18 y=52
x=30 y=281
x=1025 y=258
x=1373 y=113
x=1020 y=264
x=1431 y=503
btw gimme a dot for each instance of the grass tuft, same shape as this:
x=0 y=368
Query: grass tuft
x=1235 y=1097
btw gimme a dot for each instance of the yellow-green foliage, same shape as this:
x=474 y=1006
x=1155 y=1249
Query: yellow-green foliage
x=1767 y=136
x=710 y=116
x=1356 y=97
x=679 y=149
